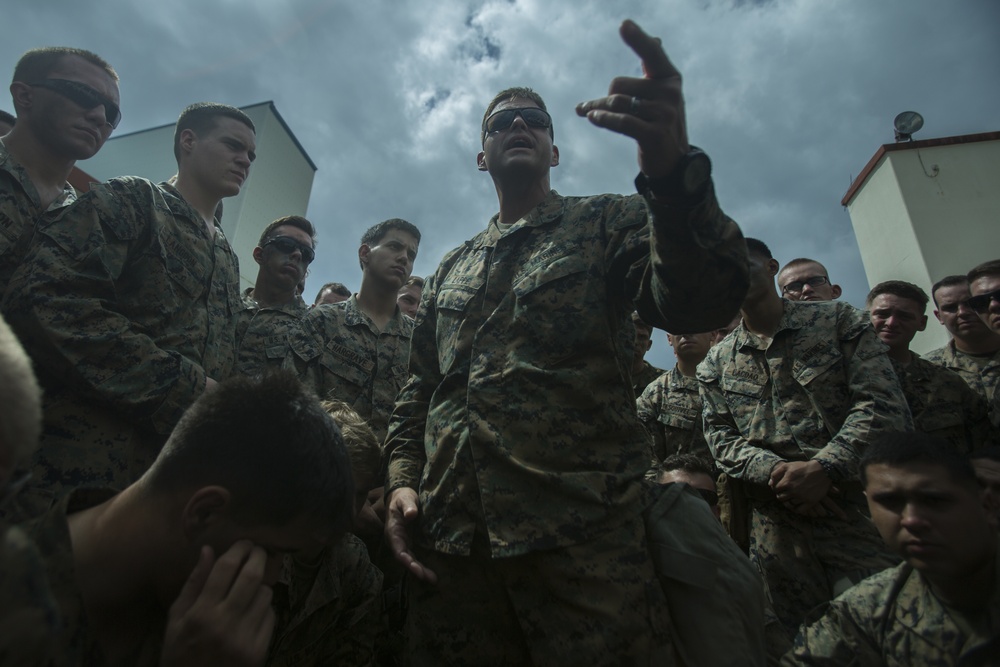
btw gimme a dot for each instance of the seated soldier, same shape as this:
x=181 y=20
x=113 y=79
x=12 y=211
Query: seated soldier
x=941 y=606
x=327 y=600
x=177 y=568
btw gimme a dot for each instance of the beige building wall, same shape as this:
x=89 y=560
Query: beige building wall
x=923 y=210
x=280 y=181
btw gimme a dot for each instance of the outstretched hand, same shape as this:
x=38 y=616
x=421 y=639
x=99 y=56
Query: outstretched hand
x=648 y=109
x=401 y=511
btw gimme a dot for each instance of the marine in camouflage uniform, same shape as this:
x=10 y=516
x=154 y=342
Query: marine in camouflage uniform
x=126 y=304
x=518 y=428
x=981 y=372
x=20 y=208
x=942 y=404
x=670 y=408
x=263 y=333
x=819 y=390
x=337 y=605
x=341 y=353
x=645 y=377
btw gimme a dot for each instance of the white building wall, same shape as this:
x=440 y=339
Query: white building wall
x=928 y=212
x=280 y=179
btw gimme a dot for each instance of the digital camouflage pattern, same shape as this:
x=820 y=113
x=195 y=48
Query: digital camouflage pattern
x=29 y=616
x=328 y=615
x=262 y=334
x=821 y=389
x=518 y=423
x=341 y=354
x=125 y=303
x=645 y=377
x=670 y=409
x=894 y=619
x=982 y=373
x=596 y=604
x=20 y=209
x=943 y=405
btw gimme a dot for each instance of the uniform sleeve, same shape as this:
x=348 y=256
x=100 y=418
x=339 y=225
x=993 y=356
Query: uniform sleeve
x=734 y=455
x=62 y=304
x=686 y=271
x=877 y=402
x=841 y=637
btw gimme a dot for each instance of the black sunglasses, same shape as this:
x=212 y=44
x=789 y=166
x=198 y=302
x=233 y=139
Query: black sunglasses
x=501 y=120
x=83 y=95
x=981 y=302
x=289 y=245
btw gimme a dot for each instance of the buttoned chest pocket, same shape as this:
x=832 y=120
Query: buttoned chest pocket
x=550 y=299
x=683 y=419
x=187 y=276
x=452 y=305
x=343 y=377
x=745 y=399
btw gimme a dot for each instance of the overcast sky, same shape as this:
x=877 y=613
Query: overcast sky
x=790 y=98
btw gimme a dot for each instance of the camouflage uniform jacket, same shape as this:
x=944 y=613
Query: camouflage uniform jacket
x=894 y=619
x=645 y=377
x=518 y=422
x=262 y=334
x=29 y=616
x=822 y=389
x=982 y=373
x=331 y=619
x=341 y=354
x=943 y=405
x=75 y=645
x=20 y=208
x=670 y=409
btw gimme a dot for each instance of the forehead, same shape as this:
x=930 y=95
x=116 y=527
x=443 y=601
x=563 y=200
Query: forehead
x=952 y=293
x=515 y=103
x=895 y=302
x=294 y=232
x=409 y=290
x=907 y=478
x=224 y=126
x=697 y=480
x=75 y=68
x=984 y=284
x=398 y=236
x=803 y=270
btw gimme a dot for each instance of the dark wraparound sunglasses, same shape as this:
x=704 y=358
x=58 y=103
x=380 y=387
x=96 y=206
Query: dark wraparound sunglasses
x=289 y=245
x=501 y=120
x=981 y=302
x=84 y=96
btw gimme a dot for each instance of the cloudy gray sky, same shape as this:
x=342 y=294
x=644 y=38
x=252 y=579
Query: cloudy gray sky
x=789 y=97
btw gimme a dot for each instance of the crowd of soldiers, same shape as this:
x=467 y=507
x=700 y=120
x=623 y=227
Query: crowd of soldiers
x=479 y=467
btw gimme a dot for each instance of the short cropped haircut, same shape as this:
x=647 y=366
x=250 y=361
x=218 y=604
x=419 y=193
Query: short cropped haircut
x=7 y=118
x=902 y=289
x=947 y=281
x=270 y=443
x=291 y=220
x=990 y=268
x=37 y=64
x=517 y=92
x=202 y=117
x=689 y=463
x=362 y=446
x=375 y=233
x=20 y=399
x=336 y=288
x=414 y=281
x=758 y=247
x=900 y=449
x=804 y=260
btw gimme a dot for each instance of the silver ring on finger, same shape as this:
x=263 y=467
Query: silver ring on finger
x=634 y=106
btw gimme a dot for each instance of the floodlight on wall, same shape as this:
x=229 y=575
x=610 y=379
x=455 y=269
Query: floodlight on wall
x=906 y=124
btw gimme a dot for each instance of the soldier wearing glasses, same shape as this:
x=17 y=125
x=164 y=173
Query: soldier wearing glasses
x=66 y=101
x=984 y=287
x=272 y=308
x=516 y=456
x=126 y=302
x=806 y=279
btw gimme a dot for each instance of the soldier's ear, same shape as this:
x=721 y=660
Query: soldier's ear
x=204 y=510
x=836 y=291
x=481 y=161
x=21 y=95
x=555 y=156
x=258 y=255
x=187 y=140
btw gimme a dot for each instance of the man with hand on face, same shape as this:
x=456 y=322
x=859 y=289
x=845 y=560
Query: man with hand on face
x=356 y=351
x=941 y=606
x=974 y=350
x=516 y=458
x=941 y=403
x=806 y=279
x=66 y=101
x=273 y=307
x=126 y=303
x=790 y=401
x=177 y=569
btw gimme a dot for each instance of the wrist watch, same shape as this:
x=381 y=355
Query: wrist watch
x=685 y=186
